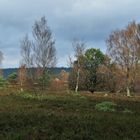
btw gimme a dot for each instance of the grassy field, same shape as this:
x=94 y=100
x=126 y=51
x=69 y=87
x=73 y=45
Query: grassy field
x=52 y=116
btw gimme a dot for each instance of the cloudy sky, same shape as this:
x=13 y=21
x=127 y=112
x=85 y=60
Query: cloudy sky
x=88 y=20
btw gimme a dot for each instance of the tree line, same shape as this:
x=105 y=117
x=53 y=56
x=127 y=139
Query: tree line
x=117 y=70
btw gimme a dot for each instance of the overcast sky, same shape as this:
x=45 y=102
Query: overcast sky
x=88 y=20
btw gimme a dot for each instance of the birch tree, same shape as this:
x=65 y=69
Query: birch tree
x=40 y=53
x=124 y=49
x=44 y=51
x=1 y=59
x=79 y=48
x=27 y=56
x=43 y=45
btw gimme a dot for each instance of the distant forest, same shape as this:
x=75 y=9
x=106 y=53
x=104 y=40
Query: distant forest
x=55 y=71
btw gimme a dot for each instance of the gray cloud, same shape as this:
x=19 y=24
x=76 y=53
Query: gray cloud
x=89 y=20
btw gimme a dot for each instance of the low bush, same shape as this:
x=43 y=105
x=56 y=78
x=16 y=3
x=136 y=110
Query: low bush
x=127 y=111
x=3 y=83
x=106 y=106
x=12 y=78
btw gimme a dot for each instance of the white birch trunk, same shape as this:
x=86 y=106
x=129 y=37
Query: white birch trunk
x=77 y=81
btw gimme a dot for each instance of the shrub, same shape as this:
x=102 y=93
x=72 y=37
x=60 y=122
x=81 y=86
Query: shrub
x=127 y=111
x=44 y=80
x=12 y=78
x=106 y=106
x=3 y=82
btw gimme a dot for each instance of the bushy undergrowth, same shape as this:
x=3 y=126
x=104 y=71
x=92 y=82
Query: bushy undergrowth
x=127 y=111
x=3 y=83
x=60 y=117
x=106 y=106
x=32 y=96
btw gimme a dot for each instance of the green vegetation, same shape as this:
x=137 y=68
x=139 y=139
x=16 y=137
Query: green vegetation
x=94 y=59
x=3 y=83
x=45 y=79
x=106 y=106
x=26 y=116
x=127 y=111
x=85 y=69
x=12 y=78
x=45 y=113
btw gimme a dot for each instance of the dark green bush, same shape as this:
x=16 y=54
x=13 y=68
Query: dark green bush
x=44 y=80
x=12 y=78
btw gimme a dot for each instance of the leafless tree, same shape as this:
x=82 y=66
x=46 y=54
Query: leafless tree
x=26 y=52
x=43 y=45
x=124 y=49
x=44 y=52
x=79 y=48
x=27 y=56
x=22 y=76
x=1 y=57
x=40 y=53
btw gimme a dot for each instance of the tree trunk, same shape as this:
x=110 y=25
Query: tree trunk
x=43 y=78
x=21 y=87
x=77 y=80
x=128 y=83
x=128 y=91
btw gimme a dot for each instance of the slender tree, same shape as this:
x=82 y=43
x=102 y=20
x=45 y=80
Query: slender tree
x=40 y=53
x=79 y=48
x=26 y=52
x=1 y=59
x=27 y=56
x=22 y=76
x=44 y=49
